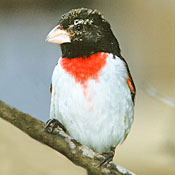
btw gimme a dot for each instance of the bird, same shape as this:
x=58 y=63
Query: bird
x=92 y=90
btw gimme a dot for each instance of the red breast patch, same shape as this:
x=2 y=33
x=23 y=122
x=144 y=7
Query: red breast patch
x=82 y=69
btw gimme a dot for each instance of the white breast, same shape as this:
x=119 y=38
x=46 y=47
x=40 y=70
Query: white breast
x=102 y=116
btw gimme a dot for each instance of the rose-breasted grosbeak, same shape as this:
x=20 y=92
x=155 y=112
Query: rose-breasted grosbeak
x=92 y=92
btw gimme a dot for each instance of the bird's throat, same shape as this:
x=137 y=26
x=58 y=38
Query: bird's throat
x=83 y=69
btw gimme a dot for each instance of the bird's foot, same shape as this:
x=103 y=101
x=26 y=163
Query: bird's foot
x=52 y=124
x=108 y=157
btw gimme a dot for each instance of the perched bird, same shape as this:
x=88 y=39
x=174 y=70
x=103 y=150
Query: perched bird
x=92 y=91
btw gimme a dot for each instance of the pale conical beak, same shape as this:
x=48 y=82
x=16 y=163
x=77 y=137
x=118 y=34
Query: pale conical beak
x=58 y=36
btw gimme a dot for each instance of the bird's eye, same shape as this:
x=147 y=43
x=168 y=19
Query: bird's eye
x=76 y=21
x=78 y=24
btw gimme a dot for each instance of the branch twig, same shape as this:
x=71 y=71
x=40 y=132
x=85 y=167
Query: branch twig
x=63 y=143
x=153 y=92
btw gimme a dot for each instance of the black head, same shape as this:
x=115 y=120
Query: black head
x=89 y=33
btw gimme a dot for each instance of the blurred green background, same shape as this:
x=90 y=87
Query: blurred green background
x=146 y=33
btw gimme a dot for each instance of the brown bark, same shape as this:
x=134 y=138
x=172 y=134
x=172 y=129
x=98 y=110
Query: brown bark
x=61 y=142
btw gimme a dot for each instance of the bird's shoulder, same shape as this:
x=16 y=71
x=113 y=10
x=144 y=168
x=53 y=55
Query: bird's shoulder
x=130 y=80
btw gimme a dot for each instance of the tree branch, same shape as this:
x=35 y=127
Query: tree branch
x=79 y=154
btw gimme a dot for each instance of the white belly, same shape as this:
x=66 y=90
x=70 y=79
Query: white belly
x=98 y=114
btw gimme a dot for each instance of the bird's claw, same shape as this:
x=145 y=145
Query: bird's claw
x=52 y=124
x=108 y=158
